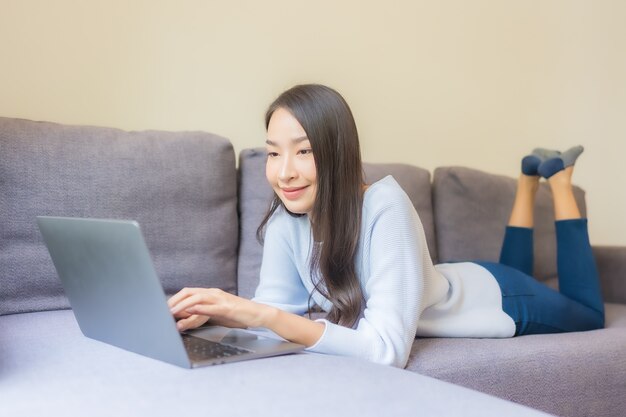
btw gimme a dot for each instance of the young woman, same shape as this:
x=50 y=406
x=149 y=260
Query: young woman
x=359 y=252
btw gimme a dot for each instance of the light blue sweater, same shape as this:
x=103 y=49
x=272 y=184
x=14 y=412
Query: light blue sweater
x=405 y=294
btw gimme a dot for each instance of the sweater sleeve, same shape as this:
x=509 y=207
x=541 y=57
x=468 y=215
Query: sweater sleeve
x=280 y=285
x=397 y=265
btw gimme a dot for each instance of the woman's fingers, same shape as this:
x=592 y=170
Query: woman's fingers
x=200 y=298
x=193 y=306
x=181 y=315
x=181 y=295
x=204 y=309
x=223 y=307
x=191 y=322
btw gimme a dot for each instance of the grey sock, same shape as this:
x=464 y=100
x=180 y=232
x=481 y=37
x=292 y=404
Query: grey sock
x=544 y=153
x=531 y=163
x=551 y=166
x=569 y=156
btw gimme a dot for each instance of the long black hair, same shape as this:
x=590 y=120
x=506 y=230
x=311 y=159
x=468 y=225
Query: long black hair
x=336 y=215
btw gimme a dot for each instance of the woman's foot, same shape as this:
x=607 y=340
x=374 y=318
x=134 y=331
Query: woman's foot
x=531 y=163
x=551 y=166
x=563 y=177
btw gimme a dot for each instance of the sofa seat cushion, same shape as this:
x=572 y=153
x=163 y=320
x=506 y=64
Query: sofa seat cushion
x=49 y=368
x=255 y=195
x=472 y=209
x=570 y=374
x=180 y=187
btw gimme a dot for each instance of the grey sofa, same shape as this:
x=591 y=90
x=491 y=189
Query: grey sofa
x=199 y=215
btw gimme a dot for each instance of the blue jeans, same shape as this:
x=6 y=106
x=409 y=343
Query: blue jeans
x=536 y=308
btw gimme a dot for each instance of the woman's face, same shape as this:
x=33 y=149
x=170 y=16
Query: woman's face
x=290 y=167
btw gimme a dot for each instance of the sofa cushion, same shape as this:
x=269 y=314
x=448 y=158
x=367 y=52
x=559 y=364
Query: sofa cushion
x=180 y=187
x=472 y=208
x=570 y=374
x=50 y=369
x=255 y=195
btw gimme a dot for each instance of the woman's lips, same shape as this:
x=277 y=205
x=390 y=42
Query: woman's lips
x=293 y=193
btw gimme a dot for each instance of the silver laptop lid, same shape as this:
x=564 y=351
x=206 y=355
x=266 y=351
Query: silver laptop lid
x=110 y=281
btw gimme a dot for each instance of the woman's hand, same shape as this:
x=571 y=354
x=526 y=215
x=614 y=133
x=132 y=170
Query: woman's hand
x=195 y=306
x=186 y=321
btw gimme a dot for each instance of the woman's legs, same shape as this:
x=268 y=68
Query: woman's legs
x=534 y=307
x=578 y=274
x=524 y=204
x=565 y=206
x=517 y=247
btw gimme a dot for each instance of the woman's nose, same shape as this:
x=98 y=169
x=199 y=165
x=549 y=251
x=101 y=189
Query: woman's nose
x=287 y=170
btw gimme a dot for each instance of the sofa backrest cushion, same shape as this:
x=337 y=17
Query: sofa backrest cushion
x=180 y=187
x=472 y=209
x=255 y=196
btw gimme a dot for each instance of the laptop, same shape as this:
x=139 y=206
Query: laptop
x=109 y=278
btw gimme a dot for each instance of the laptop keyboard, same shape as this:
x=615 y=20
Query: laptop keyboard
x=202 y=349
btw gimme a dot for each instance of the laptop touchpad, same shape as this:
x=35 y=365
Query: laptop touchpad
x=236 y=337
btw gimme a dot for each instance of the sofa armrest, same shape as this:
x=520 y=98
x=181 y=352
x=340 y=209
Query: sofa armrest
x=611 y=261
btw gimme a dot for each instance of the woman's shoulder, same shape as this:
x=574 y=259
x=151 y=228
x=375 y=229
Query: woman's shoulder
x=386 y=193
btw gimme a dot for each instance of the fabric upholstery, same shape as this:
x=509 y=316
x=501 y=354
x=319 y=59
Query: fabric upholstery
x=255 y=196
x=611 y=261
x=570 y=374
x=49 y=368
x=180 y=187
x=472 y=208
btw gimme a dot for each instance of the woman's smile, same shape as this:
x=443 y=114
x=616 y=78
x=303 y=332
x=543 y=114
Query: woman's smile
x=293 y=193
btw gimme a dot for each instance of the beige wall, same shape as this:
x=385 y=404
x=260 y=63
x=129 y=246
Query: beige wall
x=476 y=83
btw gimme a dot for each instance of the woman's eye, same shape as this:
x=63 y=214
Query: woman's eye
x=305 y=151
x=272 y=154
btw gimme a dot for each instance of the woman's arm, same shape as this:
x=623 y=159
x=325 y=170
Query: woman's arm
x=295 y=328
x=394 y=289
x=230 y=310
x=396 y=275
x=279 y=302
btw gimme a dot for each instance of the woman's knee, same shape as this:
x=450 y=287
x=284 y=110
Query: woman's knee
x=599 y=320
x=594 y=321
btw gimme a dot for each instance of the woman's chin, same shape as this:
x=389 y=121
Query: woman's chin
x=296 y=208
